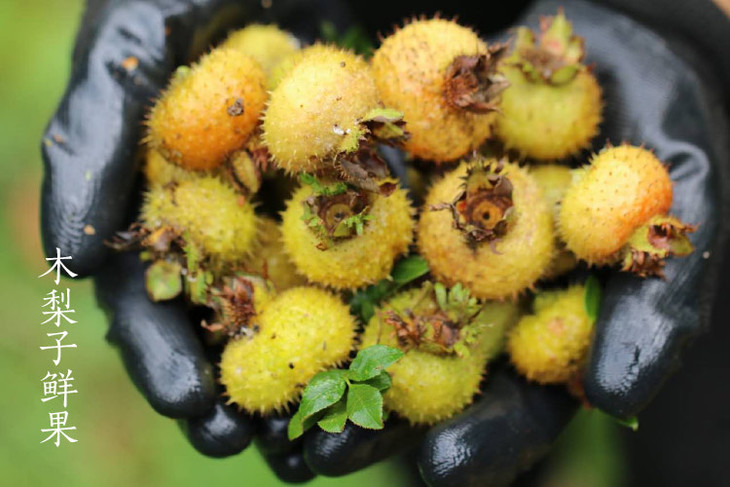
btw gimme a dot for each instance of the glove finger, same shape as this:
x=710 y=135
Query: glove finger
x=652 y=97
x=221 y=432
x=159 y=348
x=289 y=467
x=336 y=454
x=272 y=437
x=510 y=427
x=124 y=55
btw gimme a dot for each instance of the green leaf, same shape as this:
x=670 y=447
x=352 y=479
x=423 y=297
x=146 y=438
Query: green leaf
x=441 y=296
x=334 y=418
x=593 y=297
x=632 y=423
x=409 y=269
x=373 y=360
x=325 y=389
x=381 y=382
x=298 y=424
x=365 y=406
x=163 y=280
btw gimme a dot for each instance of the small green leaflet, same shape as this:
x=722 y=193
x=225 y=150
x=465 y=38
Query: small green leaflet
x=163 y=280
x=632 y=423
x=593 y=297
x=363 y=302
x=326 y=403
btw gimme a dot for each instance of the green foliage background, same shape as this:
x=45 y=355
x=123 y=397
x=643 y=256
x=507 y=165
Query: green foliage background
x=122 y=441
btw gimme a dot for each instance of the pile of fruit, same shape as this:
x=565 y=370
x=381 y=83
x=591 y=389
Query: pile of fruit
x=271 y=204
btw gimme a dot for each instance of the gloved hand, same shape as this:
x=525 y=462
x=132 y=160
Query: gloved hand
x=659 y=91
x=124 y=55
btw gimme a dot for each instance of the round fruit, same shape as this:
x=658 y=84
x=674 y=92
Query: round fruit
x=553 y=105
x=550 y=346
x=487 y=225
x=267 y=44
x=270 y=260
x=301 y=332
x=209 y=110
x=441 y=76
x=315 y=111
x=160 y=171
x=447 y=347
x=349 y=239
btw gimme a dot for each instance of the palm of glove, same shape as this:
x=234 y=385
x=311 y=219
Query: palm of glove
x=652 y=97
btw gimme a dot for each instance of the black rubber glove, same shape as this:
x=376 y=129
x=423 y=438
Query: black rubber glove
x=664 y=94
x=125 y=52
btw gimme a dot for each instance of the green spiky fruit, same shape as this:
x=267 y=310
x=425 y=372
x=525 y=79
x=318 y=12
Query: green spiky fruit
x=606 y=214
x=267 y=44
x=448 y=339
x=207 y=213
x=554 y=181
x=328 y=250
x=441 y=76
x=553 y=105
x=487 y=225
x=550 y=346
x=315 y=111
x=209 y=110
x=301 y=332
x=270 y=260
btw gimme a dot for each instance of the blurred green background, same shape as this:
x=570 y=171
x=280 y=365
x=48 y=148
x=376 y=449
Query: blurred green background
x=121 y=440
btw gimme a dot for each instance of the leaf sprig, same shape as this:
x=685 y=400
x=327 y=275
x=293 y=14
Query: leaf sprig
x=323 y=189
x=334 y=396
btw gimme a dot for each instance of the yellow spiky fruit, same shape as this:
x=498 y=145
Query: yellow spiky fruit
x=411 y=69
x=554 y=181
x=427 y=387
x=270 y=260
x=357 y=261
x=207 y=212
x=287 y=64
x=553 y=105
x=550 y=346
x=209 y=110
x=621 y=189
x=160 y=171
x=496 y=269
x=314 y=109
x=301 y=332
x=267 y=44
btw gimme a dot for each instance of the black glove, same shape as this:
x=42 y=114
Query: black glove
x=124 y=55
x=659 y=92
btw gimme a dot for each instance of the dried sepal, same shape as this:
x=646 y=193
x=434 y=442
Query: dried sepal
x=472 y=82
x=649 y=246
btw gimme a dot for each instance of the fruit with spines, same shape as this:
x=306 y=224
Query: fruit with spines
x=159 y=171
x=348 y=239
x=441 y=76
x=300 y=332
x=448 y=338
x=270 y=260
x=266 y=43
x=550 y=346
x=552 y=107
x=208 y=110
x=496 y=238
x=554 y=180
x=616 y=209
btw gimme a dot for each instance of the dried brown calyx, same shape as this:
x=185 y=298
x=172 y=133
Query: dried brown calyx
x=472 y=82
x=335 y=211
x=652 y=243
x=234 y=308
x=483 y=205
x=554 y=58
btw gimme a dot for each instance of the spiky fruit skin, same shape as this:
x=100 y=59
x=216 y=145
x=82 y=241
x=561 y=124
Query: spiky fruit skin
x=410 y=71
x=286 y=65
x=315 y=106
x=550 y=346
x=492 y=270
x=267 y=44
x=209 y=110
x=621 y=190
x=554 y=181
x=207 y=213
x=269 y=259
x=160 y=171
x=357 y=261
x=545 y=121
x=301 y=332
x=429 y=388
